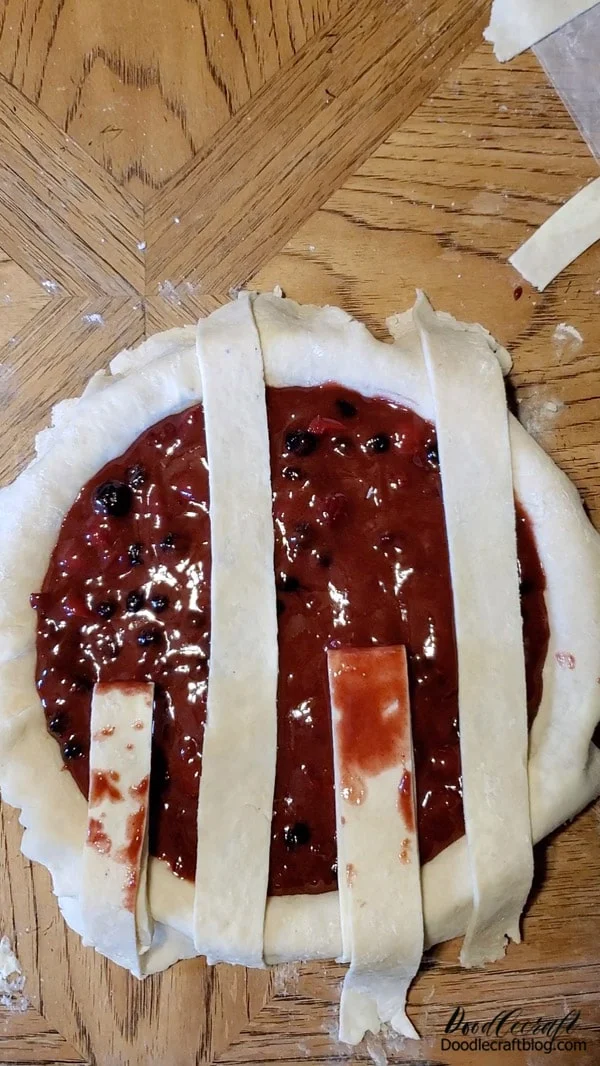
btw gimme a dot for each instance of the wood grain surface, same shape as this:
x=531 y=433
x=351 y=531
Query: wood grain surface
x=153 y=157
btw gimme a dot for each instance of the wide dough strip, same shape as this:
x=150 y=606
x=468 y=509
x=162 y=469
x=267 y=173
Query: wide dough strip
x=114 y=905
x=379 y=874
x=475 y=463
x=240 y=739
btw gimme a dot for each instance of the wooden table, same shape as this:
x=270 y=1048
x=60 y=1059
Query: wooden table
x=153 y=157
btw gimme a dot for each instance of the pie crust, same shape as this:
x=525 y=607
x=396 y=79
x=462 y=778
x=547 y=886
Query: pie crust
x=301 y=346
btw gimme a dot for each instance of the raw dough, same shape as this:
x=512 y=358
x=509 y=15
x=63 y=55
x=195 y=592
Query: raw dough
x=301 y=346
x=566 y=235
x=240 y=736
x=475 y=465
x=378 y=851
x=115 y=856
x=85 y=435
x=516 y=25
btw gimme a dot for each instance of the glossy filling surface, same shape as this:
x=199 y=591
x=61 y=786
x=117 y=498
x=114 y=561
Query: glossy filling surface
x=360 y=559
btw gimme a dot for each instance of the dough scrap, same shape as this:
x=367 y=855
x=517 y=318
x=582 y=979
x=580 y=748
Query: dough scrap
x=516 y=25
x=562 y=238
x=240 y=737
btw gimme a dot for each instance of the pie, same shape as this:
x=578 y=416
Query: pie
x=300 y=648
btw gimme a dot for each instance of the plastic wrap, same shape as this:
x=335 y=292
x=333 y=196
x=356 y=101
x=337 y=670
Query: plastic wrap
x=570 y=57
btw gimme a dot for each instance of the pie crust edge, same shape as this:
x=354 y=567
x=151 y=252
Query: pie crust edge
x=301 y=346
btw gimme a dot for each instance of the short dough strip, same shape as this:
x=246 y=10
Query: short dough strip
x=566 y=235
x=516 y=25
x=240 y=739
x=114 y=903
x=475 y=461
x=378 y=853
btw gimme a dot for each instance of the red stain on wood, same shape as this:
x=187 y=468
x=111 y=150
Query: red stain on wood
x=103 y=787
x=97 y=838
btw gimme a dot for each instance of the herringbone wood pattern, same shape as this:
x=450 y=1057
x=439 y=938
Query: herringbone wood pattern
x=152 y=158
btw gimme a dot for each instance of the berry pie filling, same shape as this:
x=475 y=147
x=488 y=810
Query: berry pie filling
x=360 y=559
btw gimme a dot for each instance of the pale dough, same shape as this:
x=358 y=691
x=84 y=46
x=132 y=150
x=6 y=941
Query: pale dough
x=240 y=737
x=379 y=873
x=86 y=434
x=301 y=346
x=562 y=238
x=114 y=901
x=475 y=466
x=516 y=25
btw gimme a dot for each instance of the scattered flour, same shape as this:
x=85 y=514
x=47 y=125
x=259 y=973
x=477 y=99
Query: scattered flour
x=50 y=286
x=538 y=413
x=285 y=978
x=8 y=386
x=12 y=981
x=175 y=294
x=332 y=1027
x=387 y=1043
x=375 y=1050
x=566 y=339
x=93 y=319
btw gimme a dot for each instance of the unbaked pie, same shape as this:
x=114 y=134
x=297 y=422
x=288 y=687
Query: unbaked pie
x=312 y=626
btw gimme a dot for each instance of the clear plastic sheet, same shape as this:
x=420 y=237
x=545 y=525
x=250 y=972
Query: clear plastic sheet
x=571 y=59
